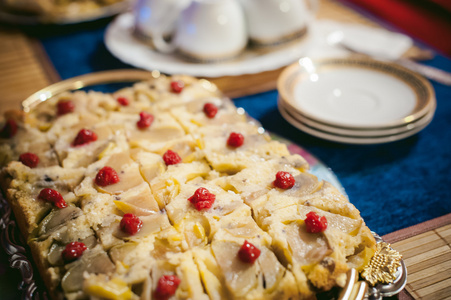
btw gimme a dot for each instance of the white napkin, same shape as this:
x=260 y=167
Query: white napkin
x=328 y=38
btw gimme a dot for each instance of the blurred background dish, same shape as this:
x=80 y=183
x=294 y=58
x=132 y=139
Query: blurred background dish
x=31 y=12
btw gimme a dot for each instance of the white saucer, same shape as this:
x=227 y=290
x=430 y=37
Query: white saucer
x=121 y=42
x=356 y=139
x=358 y=132
x=355 y=93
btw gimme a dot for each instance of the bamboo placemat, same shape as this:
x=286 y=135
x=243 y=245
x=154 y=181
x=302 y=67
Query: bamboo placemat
x=24 y=69
x=426 y=251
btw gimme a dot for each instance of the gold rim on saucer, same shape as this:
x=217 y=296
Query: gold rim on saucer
x=358 y=132
x=312 y=71
x=347 y=139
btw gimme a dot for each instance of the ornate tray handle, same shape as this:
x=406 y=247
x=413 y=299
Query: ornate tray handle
x=17 y=254
x=399 y=272
x=385 y=276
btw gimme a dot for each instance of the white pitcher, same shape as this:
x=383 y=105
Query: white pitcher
x=275 y=21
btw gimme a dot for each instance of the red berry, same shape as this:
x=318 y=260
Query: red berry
x=171 y=158
x=106 y=176
x=52 y=196
x=84 y=136
x=167 y=285
x=177 y=86
x=145 y=120
x=235 y=140
x=29 y=159
x=202 y=198
x=131 y=224
x=9 y=129
x=284 y=180
x=122 y=101
x=73 y=251
x=65 y=107
x=314 y=223
x=210 y=110
x=248 y=253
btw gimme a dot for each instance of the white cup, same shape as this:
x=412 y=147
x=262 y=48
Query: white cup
x=275 y=21
x=207 y=30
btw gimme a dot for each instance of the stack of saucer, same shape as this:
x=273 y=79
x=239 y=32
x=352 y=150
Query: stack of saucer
x=355 y=100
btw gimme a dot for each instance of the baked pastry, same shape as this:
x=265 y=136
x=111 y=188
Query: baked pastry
x=56 y=8
x=166 y=190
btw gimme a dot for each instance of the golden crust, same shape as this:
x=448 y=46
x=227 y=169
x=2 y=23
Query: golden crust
x=50 y=276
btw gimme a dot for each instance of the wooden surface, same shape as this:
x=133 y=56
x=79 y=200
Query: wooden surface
x=426 y=250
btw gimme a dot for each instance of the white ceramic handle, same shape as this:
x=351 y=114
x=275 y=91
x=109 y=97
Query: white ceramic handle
x=157 y=37
x=313 y=7
x=162 y=45
x=157 y=17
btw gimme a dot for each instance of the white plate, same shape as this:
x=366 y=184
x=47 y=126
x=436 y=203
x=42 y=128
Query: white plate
x=121 y=42
x=358 y=132
x=355 y=93
x=346 y=139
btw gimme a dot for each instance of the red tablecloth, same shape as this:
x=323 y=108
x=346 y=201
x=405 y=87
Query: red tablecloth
x=427 y=20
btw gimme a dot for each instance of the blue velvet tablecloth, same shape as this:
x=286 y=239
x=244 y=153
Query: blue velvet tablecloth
x=394 y=185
